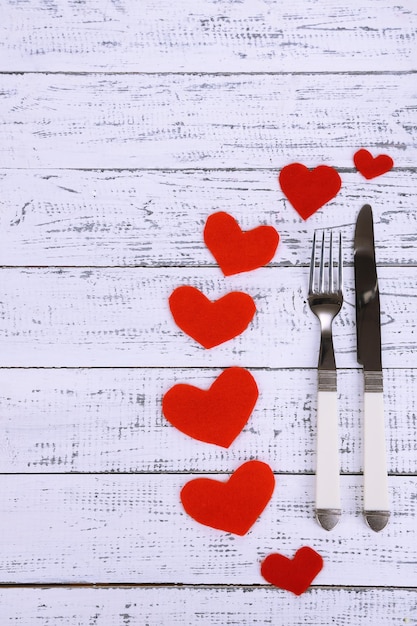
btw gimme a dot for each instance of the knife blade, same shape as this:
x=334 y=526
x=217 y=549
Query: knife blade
x=368 y=339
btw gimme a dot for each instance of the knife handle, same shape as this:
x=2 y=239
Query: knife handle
x=376 y=500
x=327 y=463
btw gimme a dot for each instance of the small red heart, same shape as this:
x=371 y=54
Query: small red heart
x=370 y=166
x=295 y=574
x=232 y=506
x=211 y=323
x=237 y=251
x=216 y=415
x=308 y=190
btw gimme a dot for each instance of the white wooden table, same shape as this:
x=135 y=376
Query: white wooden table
x=123 y=126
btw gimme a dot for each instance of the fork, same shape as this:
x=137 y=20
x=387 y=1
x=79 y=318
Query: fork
x=325 y=298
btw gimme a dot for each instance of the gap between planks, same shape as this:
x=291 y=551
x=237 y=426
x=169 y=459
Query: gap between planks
x=231 y=73
x=183 y=170
x=225 y=586
x=176 y=266
x=188 y=473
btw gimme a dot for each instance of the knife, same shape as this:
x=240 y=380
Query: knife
x=368 y=330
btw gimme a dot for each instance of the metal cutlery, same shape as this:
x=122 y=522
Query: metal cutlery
x=368 y=329
x=325 y=298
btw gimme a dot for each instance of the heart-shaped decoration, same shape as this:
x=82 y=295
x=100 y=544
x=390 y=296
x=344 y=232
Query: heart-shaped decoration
x=308 y=190
x=235 y=250
x=216 y=415
x=370 y=166
x=211 y=323
x=232 y=506
x=295 y=574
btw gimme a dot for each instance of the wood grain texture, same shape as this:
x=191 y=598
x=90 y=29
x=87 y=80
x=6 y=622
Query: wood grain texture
x=120 y=317
x=132 y=529
x=110 y=420
x=156 y=218
x=209 y=35
x=135 y=122
x=218 y=606
x=215 y=121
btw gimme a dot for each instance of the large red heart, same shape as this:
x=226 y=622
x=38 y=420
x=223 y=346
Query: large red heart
x=295 y=574
x=211 y=323
x=232 y=506
x=235 y=250
x=370 y=166
x=216 y=415
x=308 y=190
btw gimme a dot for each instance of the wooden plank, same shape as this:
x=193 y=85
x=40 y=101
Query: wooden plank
x=120 y=317
x=133 y=529
x=187 y=36
x=156 y=218
x=218 y=606
x=183 y=121
x=109 y=420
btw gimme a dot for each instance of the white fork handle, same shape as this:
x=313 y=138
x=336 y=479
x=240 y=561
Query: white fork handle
x=327 y=464
x=375 y=461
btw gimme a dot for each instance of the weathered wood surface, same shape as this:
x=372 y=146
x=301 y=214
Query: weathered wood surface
x=120 y=317
x=135 y=122
x=133 y=529
x=110 y=420
x=208 y=35
x=209 y=121
x=217 y=606
x=156 y=218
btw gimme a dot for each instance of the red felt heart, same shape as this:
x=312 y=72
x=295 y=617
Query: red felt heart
x=232 y=506
x=211 y=323
x=235 y=250
x=308 y=190
x=370 y=166
x=216 y=415
x=295 y=574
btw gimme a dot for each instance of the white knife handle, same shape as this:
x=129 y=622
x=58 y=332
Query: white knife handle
x=375 y=459
x=327 y=464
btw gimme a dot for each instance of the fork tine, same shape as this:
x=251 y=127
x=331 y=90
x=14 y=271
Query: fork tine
x=340 y=286
x=331 y=283
x=321 y=274
x=312 y=265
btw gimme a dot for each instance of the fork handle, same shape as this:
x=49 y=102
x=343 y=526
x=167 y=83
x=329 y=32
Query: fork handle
x=327 y=463
x=327 y=361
